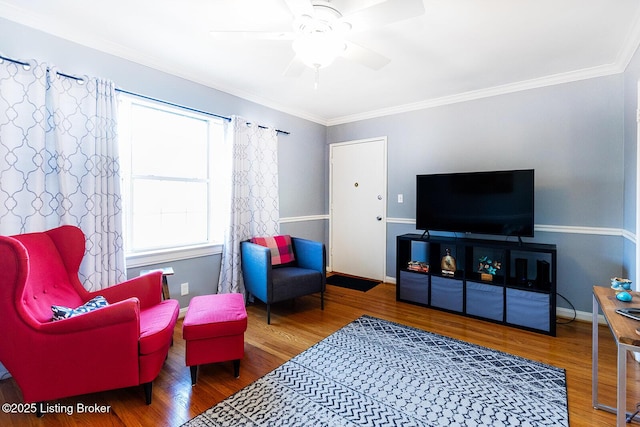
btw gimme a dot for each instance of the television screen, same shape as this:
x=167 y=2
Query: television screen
x=499 y=202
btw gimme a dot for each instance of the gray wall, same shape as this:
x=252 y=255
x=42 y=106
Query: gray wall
x=301 y=172
x=571 y=134
x=200 y=273
x=632 y=76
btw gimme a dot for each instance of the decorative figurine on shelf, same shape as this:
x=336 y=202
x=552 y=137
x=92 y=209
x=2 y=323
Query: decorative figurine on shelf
x=488 y=268
x=448 y=264
x=486 y=265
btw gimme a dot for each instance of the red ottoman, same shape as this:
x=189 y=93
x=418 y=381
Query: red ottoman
x=213 y=329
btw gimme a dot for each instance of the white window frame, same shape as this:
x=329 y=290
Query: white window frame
x=213 y=245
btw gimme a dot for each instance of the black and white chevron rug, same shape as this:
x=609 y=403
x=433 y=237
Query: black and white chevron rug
x=377 y=373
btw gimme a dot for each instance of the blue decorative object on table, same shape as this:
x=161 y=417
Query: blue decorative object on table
x=619 y=284
x=623 y=296
x=622 y=288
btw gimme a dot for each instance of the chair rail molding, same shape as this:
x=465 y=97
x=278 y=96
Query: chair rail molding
x=292 y=219
x=603 y=231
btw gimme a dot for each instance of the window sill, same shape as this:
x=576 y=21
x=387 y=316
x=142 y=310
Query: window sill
x=144 y=259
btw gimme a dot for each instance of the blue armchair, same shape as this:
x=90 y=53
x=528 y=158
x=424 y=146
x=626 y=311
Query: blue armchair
x=305 y=275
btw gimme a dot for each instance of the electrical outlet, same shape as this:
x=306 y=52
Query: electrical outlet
x=184 y=289
x=400 y=198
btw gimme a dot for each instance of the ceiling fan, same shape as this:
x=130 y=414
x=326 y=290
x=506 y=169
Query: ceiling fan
x=321 y=28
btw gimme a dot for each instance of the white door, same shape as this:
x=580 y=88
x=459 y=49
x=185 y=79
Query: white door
x=358 y=207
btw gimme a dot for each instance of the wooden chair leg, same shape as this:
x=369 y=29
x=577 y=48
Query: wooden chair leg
x=148 y=388
x=39 y=406
x=268 y=314
x=236 y=368
x=194 y=375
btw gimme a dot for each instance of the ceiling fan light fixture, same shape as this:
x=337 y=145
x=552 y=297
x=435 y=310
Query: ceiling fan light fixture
x=318 y=49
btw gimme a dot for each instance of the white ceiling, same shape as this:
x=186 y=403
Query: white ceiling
x=458 y=49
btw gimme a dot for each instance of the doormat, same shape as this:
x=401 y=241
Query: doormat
x=357 y=283
x=373 y=372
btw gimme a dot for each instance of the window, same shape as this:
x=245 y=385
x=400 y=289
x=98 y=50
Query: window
x=171 y=195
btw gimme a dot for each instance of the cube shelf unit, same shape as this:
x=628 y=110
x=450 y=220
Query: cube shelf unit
x=520 y=292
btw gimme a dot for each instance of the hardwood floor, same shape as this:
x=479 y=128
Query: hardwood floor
x=296 y=326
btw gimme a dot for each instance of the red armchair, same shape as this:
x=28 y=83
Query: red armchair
x=120 y=345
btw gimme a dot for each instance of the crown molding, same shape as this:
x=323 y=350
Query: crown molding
x=584 y=74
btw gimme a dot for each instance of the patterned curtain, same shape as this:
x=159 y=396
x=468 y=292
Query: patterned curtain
x=254 y=205
x=59 y=163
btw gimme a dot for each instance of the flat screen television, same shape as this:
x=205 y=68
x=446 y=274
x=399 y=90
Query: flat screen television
x=497 y=202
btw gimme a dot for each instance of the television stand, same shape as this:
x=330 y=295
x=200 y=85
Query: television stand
x=511 y=283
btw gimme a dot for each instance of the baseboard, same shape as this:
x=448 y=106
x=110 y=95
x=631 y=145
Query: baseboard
x=182 y=313
x=583 y=316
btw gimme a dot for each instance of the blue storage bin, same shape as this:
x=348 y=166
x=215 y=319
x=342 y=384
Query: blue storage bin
x=485 y=301
x=530 y=309
x=414 y=287
x=446 y=293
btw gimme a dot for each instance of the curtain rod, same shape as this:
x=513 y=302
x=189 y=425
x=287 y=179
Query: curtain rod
x=26 y=64
x=189 y=108
x=80 y=79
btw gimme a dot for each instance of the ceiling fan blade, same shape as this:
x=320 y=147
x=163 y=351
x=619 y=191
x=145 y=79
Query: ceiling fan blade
x=252 y=35
x=300 y=7
x=295 y=68
x=384 y=13
x=364 y=56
